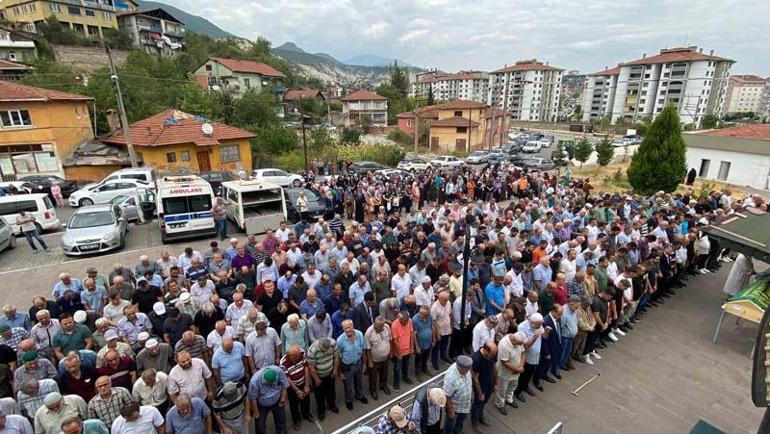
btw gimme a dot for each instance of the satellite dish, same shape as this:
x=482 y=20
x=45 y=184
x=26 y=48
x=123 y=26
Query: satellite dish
x=207 y=129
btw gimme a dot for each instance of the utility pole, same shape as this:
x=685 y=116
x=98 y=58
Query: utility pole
x=470 y=127
x=416 y=130
x=304 y=142
x=505 y=110
x=122 y=110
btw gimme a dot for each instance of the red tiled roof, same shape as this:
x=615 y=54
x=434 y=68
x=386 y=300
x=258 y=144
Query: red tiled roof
x=529 y=65
x=297 y=94
x=173 y=127
x=429 y=111
x=249 y=67
x=8 y=65
x=454 y=121
x=680 y=54
x=747 y=79
x=460 y=104
x=362 y=95
x=18 y=92
x=608 y=71
x=751 y=131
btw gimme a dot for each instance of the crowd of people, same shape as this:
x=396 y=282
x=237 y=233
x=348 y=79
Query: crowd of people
x=209 y=341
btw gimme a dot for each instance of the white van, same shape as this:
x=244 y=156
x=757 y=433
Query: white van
x=254 y=206
x=184 y=207
x=36 y=204
x=146 y=174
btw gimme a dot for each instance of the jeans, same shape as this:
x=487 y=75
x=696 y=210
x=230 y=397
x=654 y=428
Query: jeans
x=421 y=360
x=566 y=351
x=454 y=426
x=477 y=408
x=279 y=418
x=353 y=380
x=221 y=228
x=440 y=349
x=400 y=369
x=33 y=234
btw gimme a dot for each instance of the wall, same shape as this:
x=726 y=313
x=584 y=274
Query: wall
x=85 y=174
x=87 y=59
x=156 y=156
x=745 y=169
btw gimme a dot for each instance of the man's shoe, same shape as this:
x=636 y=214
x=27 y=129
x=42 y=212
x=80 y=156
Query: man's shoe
x=310 y=418
x=529 y=391
x=570 y=365
x=587 y=360
x=513 y=404
x=565 y=368
x=557 y=376
x=335 y=409
x=619 y=332
x=373 y=394
x=386 y=389
x=548 y=379
x=418 y=376
x=321 y=416
x=364 y=400
x=612 y=337
x=483 y=422
x=539 y=387
x=408 y=381
x=502 y=410
x=520 y=398
x=629 y=325
x=623 y=328
x=297 y=426
x=595 y=355
x=349 y=405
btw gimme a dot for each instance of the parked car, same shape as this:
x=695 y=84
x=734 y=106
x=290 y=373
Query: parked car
x=146 y=174
x=216 y=178
x=533 y=146
x=67 y=187
x=446 y=161
x=94 y=229
x=546 y=141
x=278 y=177
x=7 y=237
x=38 y=205
x=387 y=172
x=127 y=206
x=105 y=191
x=537 y=163
x=414 y=164
x=498 y=155
x=316 y=205
x=477 y=157
x=364 y=167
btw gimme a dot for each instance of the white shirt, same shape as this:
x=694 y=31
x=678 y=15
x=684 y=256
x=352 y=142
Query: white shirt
x=569 y=268
x=530 y=308
x=283 y=234
x=16 y=424
x=482 y=334
x=214 y=339
x=149 y=419
x=191 y=381
x=311 y=280
x=401 y=285
x=202 y=293
x=424 y=297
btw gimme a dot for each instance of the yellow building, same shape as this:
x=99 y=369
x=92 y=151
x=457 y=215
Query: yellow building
x=459 y=122
x=87 y=17
x=39 y=128
x=174 y=140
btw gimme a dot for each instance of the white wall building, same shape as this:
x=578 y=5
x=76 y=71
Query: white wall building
x=738 y=155
x=529 y=90
x=694 y=82
x=746 y=93
x=465 y=85
x=363 y=104
x=599 y=93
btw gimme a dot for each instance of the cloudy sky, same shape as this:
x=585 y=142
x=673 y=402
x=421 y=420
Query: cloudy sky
x=459 y=34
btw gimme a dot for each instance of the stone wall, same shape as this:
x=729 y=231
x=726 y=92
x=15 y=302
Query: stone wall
x=87 y=59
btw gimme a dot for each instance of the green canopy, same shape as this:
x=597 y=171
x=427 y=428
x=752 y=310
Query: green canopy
x=744 y=232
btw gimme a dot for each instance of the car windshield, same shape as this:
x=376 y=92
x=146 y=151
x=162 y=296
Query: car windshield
x=117 y=200
x=91 y=219
x=309 y=195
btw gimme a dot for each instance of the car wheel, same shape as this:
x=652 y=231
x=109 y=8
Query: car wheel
x=12 y=242
x=85 y=202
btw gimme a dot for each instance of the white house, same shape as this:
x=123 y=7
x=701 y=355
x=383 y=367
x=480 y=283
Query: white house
x=738 y=155
x=364 y=104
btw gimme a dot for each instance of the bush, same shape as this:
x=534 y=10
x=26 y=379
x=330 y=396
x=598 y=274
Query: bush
x=401 y=137
x=388 y=154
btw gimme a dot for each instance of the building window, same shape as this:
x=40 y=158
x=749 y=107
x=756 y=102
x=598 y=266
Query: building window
x=26 y=159
x=229 y=154
x=724 y=170
x=15 y=118
x=106 y=15
x=247 y=83
x=90 y=13
x=458 y=113
x=12 y=55
x=171 y=157
x=208 y=67
x=184 y=155
x=73 y=10
x=93 y=31
x=704 y=168
x=462 y=130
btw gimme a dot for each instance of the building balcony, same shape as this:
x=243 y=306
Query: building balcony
x=89 y=4
x=149 y=27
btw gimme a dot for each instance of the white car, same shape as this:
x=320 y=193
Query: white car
x=278 y=177
x=477 y=157
x=532 y=147
x=413 y=164
x=105 y=191
x=446 y=161
x=545 y=142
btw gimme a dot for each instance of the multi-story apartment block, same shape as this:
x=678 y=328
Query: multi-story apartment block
x=17 y=46
x=685 y=77
x=465 y=85
x=363 y=104
x=599 y=93
x=746 y=93
x=87 y=17
x=154 y=30
x=422 y=82
x=528 y=90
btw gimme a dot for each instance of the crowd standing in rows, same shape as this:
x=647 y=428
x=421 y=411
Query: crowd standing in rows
x=215 y=339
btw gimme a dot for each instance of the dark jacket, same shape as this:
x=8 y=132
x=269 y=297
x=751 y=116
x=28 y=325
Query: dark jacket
x=553 y=341
x=361 y=320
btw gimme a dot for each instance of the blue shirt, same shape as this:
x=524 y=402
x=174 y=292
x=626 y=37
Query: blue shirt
x=19 y=320
x=533 y=352
x=356 y=292
x=230 y=365
x=337 y=318
x=60 y=287
x=285 y=284
x=423 y=329
x=541 y=276
x=305 y=308
x=496 y=294
x=95 y=300
x=350 y=352
x=194 y=423
x=267 y=394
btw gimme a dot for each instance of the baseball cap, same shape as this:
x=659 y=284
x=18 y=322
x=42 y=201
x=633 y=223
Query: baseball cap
x=110 y=335
x=398 y=416
x=159 y=308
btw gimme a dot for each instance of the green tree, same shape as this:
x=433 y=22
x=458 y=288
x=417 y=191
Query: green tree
x=431 y=101
x=196 y=101
x=559 y=156
x=118 y=39
x=399 y=80
x=583 y=151
x=274 y=140
x=604 y=152
x=351 y=136
x=660 y=162
x=397 y=103
x=255 y=110
x=709 y=121
x=56 y=33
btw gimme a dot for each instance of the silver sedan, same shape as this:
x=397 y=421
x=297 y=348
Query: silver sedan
x=94 y=229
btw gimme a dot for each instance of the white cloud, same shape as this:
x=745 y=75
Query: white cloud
x=453 y=34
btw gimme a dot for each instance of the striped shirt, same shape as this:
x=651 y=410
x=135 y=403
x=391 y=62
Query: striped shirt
x=196 y=348
x=32 y=403
x=294 y=370
x=322 y=361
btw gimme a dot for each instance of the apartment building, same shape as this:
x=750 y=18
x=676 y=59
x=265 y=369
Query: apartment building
x=237 y=76
x=153 y=30
x=694 y=82
x=746 y=93
x=599 y=93
x=465 y=85
x=528 y=90
x=90 y=18
x=362 y=104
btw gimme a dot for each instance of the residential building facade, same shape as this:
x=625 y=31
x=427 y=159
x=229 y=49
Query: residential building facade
x=39 y=128
x=363 y=104
x=738 y=155
x=528 y=90
x=237 y=76
x=599 y=94
x=174 y=140
x=746 y=93
x=464 y=85
x=12 y=70
x=17 y=46
x=154 y=31
x=90 y=18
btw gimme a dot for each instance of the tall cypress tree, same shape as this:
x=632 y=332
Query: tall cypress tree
x=660 y=162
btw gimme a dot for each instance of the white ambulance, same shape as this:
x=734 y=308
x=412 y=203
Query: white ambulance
x=254 y=206
x=184 y=207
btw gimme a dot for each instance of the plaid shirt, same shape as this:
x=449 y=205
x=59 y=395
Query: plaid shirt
x=32 y=403
x=575 y=288
x=107 y=410
x=18 y=334
x=384 y=426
